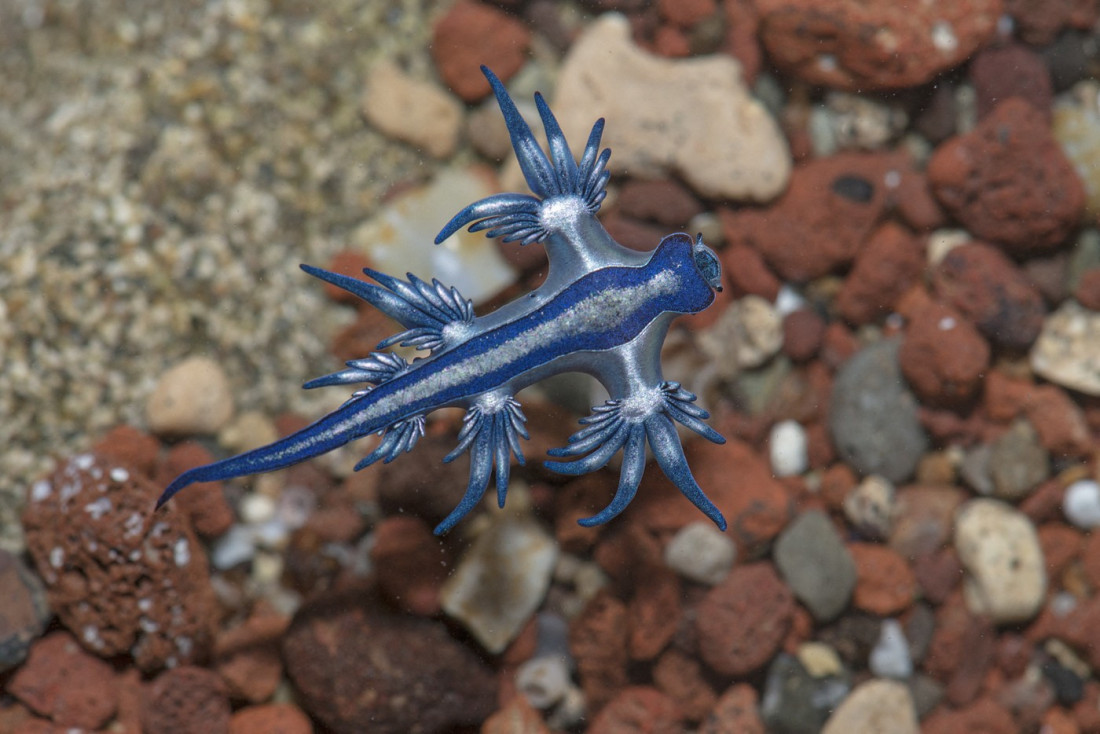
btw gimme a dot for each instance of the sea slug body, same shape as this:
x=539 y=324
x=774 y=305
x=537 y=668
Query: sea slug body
x=603 y=310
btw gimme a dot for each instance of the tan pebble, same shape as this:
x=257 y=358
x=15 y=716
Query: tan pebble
x=191 y=398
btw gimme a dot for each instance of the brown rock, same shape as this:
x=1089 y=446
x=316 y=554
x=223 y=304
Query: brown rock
x=962 y=650
x=132 y=581
x=1087 y=292
x=838 y=345
x=889 y=263
x=418 y=679
x=25 y=612
x=665 y=202
x=915 y=204
x=942 y=356
x=1090 y=559
x=1086 y=714
x=60 y=680
x=742 y=621
x=747 y=273
x=471 y=34
x=638 y=710
x=1061 y=546
x=187 y=700
x=884 y=584
x=1058 y=420
x=515 y=717
x=410 y=564
x=130 y=446
x=654 y=611
x=247 y=656
x=681 y=678
x=350 y=263
x=862 y=46
x=598 y=643
x=671 y=42
x=735 y=713
x=1038 y=22
x=271 y=718
x=803 y=332
x=989 y=290
x=982 y=717
x=1008 y=181
x=924 y=518
x=1004 y=397
x=1012 y=70
x=1057 y=720
x=203 y=502
x=686 y=13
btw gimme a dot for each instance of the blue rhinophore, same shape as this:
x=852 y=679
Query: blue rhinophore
x=603 y=310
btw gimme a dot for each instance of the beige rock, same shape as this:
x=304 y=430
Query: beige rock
x=412 y=110
x=1067 y=351
x=875 y=707
x=694 y=118
x=191 y=398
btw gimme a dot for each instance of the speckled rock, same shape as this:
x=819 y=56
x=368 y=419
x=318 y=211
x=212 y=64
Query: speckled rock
x=871 y=507
x=816 y=565
x=1011 y=70
x=701 y=552
x=742 y=621
x=828 y=43
x=409 y=109
x=1067 y=351
x=1017 y=462
x=1009 y=182
x=420 y=679
x=1076 y=127
x=735 y=713
x=132 y=581
x=191 y=398
x=270 y=718
x=188 y=700
x=638 y=710
x=502 y=42
x=875 y=707
x=25 y=611
x=988 y=289
x=998 y=546
x=873 y=419
x=728 y=147
x=943 y=356
x=63 y=682
x=884 y=582
x=885 y=267
x=500 y=581
x=831 y=207
x=746 y=335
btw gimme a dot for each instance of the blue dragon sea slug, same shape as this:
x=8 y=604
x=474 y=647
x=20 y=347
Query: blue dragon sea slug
x=603 y=310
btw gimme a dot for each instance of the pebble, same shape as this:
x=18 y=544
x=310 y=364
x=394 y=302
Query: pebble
x=543 y=681
x=409 y=109
x=885 y=267
x=889 y=657
x=746 y=335
x=502 y=41
x=999 y=548
x=270 y=718
x=885 y=584
x=191 y=398
x=25 y=610
x=1081 y=504
x=729 y=147
x=736 y=712
x=875 y=707
x=816 y=565
x=188 y=700
x=62 y=681
x=943 y=356
x=1076 y=127
x=788 y=448
x=870 y=507
x=636 y=710
x=1067 y=351
x=794 y=700
x=819 y=660
x=700 y=552
x=501 y=580
x=873 y=416
x=1018 y=463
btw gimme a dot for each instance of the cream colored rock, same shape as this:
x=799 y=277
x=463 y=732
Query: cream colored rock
x=1067 y=351
x=412 y=110
x=694 y=118
x=875 y=707
x=999 y=548
x=191 y=398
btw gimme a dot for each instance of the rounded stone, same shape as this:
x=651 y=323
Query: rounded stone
x=191 y=398
x=875 y=707
x=700 y=552
x=1081 y=504
x=788 y=448
x=816 y=565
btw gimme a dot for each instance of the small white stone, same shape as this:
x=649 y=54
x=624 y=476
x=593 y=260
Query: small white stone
x=191 y=398
x=788 y=448
x=543 y=680
x=870 y=506
x=1081 y=504
x=256 y=508
x=889 y=657
x=700 y=552
x=819 y=660
x=234 y=547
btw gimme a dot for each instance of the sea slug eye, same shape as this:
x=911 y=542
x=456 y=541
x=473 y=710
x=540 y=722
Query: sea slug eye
x=708 y=264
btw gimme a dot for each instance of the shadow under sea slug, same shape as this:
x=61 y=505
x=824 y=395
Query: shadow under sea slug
x=603 y=310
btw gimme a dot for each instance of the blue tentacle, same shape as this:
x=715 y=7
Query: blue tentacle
x=670 y=457
x=630 y=477
x=534 y=163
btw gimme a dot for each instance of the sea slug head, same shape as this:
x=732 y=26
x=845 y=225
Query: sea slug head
x=707 y=262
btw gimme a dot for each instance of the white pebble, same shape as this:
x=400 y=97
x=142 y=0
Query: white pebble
x=256 y=508
x=890 y=656
x=235 y=547
x=789 y=450
x=543 y=680
x=701 y=552
x=1081 y=504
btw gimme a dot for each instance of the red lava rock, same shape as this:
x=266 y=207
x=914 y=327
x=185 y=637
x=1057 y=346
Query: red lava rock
x=1038 y=22
x=742 y=621
x=665 y=202
x=502 y=42
x=361 y=667
x=247 y=656
x=427 y=487
x=1009 y=181
x=515 y=717
x=736 y=479
x=1087 y=292
x=982 y=717
x=889 y=263
x=803 y=332
x=884 y=583
x=924 y=518
x=1058 y=420
x=686 y=13
x=62 y=681
x=130 y=446
x=747 y=273
x=203 y=502
x=861 y=46
x=410 y=564
x=638 y=710
x=938 y=574
x=915 y=204
x=128 y=579
x=681 y=678
x=654 y=611
x=1013 y=70
x=830 y=207
x=362 y=336
x=989 y=290
x=598 y=643
x=350 y=263
x=838 y=345
x=633 y=233
x=1004 y=397
x=271 y=718
x=186 y=700
x=962 y=650
x=1061 y=546
x=735 y=713
x=942 y=356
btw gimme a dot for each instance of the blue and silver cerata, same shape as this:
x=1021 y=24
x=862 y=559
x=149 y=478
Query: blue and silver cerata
x=603 y=310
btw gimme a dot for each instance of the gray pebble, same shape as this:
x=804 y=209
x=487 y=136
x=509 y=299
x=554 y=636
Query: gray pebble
x=816 y=565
